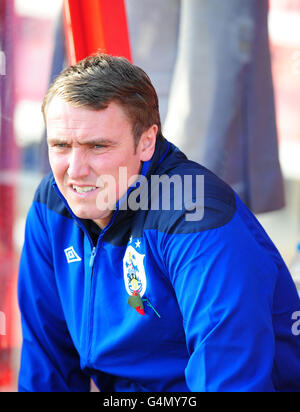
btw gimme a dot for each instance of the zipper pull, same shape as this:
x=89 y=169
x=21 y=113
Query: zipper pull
x=92 y=257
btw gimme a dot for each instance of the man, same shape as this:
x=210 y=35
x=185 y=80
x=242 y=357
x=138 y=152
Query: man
x=135 y=283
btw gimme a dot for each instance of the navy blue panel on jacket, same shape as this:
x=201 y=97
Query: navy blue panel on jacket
x=219 y=302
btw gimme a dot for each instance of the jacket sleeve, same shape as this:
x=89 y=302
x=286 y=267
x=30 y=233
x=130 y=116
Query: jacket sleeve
x=225 y=280
x=49 y=361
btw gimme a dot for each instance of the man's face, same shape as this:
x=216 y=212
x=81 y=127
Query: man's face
x=85 y=145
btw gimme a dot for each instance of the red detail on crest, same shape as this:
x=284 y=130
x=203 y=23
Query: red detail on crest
x=140 y=310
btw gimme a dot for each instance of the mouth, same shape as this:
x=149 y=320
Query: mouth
x=84 y=189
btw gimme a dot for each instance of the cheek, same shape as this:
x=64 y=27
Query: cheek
x=105 y=164
x=58 y=164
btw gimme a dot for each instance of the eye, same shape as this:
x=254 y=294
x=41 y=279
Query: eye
x=99 y=147
x=59 y=146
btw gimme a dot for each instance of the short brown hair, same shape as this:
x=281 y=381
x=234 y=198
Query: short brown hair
x=98 y=80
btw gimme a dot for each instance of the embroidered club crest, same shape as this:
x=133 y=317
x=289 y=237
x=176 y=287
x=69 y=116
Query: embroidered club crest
x=134 y=272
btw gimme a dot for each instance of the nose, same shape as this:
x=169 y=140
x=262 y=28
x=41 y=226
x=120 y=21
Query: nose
x=78 y=166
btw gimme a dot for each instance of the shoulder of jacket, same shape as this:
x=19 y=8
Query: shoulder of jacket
x=204 y=201
x=44 y=189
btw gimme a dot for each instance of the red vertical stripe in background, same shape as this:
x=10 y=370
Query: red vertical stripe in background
x=115 y=28
x=8 y=164
x=96 y=25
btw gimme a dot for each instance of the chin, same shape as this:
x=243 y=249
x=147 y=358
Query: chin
x=91 y=215
x=82 y=213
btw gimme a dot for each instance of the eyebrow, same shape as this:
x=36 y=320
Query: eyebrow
x=90 y=142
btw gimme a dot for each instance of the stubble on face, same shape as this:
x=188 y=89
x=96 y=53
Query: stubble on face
x=85 y=145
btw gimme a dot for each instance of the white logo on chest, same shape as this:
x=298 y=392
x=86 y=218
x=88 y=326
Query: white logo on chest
x=71 y=255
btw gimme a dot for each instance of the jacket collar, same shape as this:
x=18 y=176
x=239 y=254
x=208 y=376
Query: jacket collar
x=162 y=148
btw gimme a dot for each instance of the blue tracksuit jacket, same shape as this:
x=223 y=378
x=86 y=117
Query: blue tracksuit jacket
x=221 y=310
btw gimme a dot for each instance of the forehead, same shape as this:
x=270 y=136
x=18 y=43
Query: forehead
x=64 y=117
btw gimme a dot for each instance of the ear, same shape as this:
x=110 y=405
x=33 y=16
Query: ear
x=147 y=143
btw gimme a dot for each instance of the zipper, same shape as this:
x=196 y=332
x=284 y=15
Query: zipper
x=90 y=322
x=92 y=258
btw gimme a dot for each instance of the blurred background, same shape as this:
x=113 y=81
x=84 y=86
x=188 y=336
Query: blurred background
x=227 y=74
